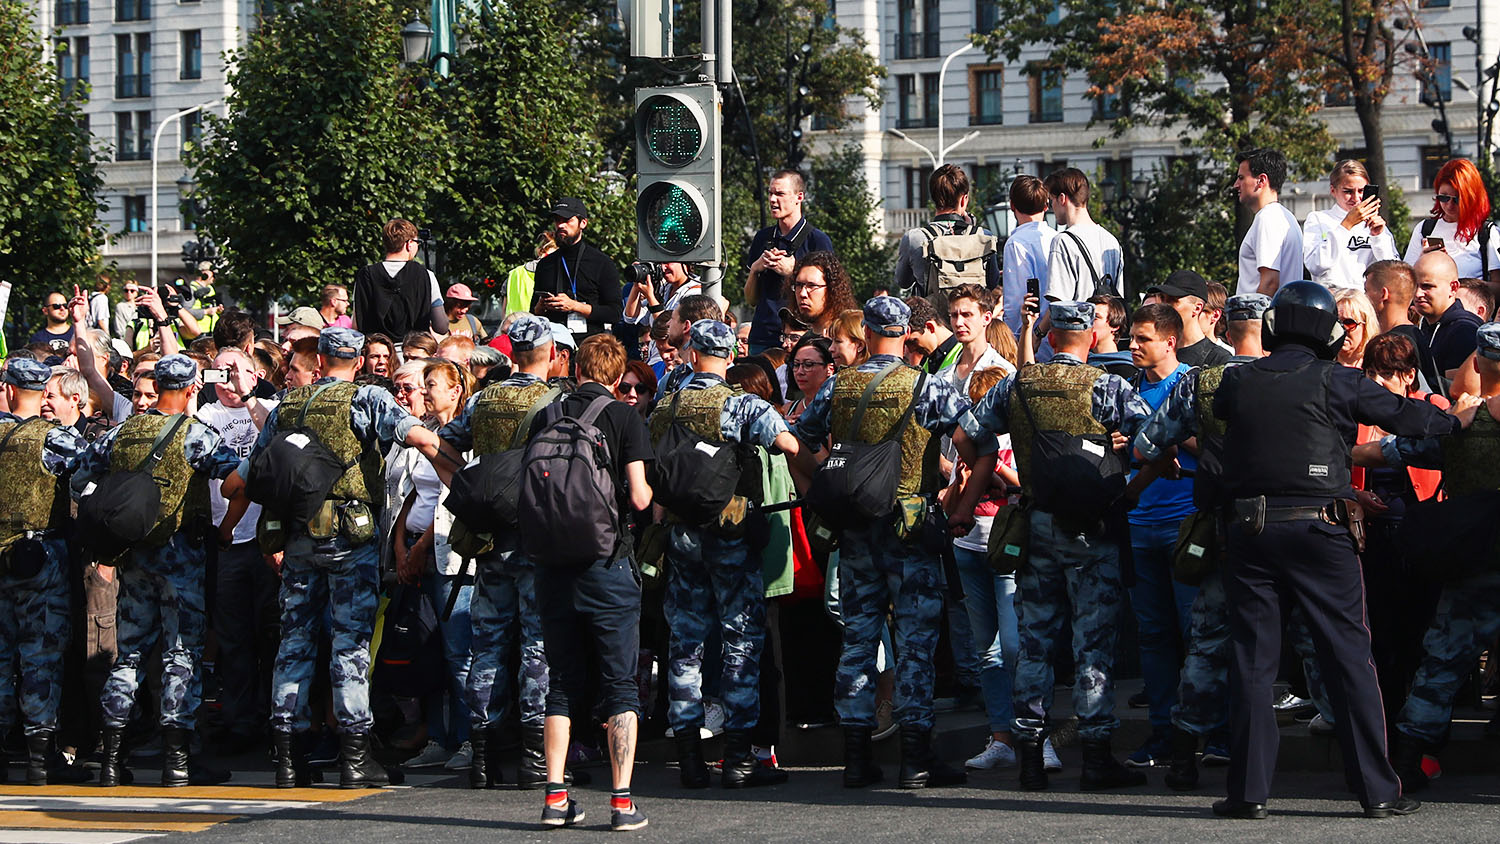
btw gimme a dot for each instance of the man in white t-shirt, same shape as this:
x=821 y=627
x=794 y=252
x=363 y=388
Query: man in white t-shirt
x=1271 y=253
x=245 y=614
x=1028 y=246
x=1083 y=257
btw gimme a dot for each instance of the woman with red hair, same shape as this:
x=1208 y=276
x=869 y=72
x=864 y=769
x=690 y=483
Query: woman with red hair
x=1460 y=219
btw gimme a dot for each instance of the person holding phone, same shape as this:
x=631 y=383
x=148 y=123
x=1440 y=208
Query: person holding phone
x=1459 y=223
x=1340 y=242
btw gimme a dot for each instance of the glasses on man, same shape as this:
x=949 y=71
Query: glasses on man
x=56 y=306
x=1445 y=198
x=799 y=286
x=791 y=338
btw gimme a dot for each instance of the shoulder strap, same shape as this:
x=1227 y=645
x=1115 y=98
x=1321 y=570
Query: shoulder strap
x=864 y=398
x=519 y=439
x=159 y=445
x=800 y=236
x=596 y=407
x=302 y=417
x=13 y=431
x=1428 y=225
x=911 y=407
x=1026 y=408
x=1484 y=250
x=1084 y=251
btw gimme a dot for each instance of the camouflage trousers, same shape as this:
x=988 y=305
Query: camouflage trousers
x=504 y=606
x=878 y=572
x=1468 y=617
x=1302 y=645
x=342 y=582
x=1203 y=689
x=34 y=627
x=161 y=599
x=713 y=581
x=1075 y=576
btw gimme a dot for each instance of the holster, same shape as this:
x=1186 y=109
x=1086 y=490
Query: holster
x=1350 y=514
x=1250 y=514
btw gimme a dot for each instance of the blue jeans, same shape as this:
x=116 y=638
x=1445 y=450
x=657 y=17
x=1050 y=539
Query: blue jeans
x=448 y=721
x=1163 y=610
x=990 y=599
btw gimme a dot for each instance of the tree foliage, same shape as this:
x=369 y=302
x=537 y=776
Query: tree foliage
x=50 y=233
x=846 y=212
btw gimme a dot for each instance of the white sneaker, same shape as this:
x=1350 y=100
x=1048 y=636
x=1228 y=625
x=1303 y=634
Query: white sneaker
x=713 y=720
x=432 y=756
x=1319 y=726
x=1050 y=762
x=461 y=760
x=996 y=754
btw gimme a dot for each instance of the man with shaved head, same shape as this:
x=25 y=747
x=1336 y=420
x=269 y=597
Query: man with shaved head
x=1447 y=330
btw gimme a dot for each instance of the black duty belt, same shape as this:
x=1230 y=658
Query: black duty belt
x=1296 y=514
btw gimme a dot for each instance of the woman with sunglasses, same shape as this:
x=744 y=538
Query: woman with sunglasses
x=1459 y=224
x=637 y=387
x=1357 y=317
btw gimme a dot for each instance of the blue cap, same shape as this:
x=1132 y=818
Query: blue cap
x=562 y=336
x=887 y=316
x=176 y=372
x=1487 y=340
x=528 y=331
x=27 y=373
x=1072 y=316
x=711 y=337
x=341 y=343
x=1246 y=306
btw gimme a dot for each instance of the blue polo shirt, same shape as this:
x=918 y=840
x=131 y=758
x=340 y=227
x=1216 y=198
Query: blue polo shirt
x=1164 y=501
x=773 y=290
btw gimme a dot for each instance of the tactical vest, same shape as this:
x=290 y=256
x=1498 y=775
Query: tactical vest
x=329 y=419
x=498 y=411
x=184 y=490
x=1061 y=397
x=1282 y=439
x=919 y=448
x=31 y=492
x=700 y=412
x=1208 y=483
x=1471 y=457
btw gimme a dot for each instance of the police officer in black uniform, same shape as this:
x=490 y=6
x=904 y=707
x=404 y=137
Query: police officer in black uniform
x=1293 y=526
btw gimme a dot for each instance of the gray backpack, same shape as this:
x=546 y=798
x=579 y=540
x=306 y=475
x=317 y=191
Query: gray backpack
x=568 y=511
x=955 y=258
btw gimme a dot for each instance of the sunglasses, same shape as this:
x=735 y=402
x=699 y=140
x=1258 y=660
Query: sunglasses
x=1445 y=198
x=406 y=389
x=58 y=307
x=637 y=388
x=1349 y=323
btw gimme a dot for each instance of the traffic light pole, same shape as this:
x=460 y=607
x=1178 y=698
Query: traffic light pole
x=718 y=65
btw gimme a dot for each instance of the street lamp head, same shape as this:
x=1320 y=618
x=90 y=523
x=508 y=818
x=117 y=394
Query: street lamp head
x=1109 y=189
x=185 y=184
x=1401 y=23
x=1414 y=49
x=416 y=40
x=1140 y=187
x=997 y=215
x=1440 y=127
x=1471 y=34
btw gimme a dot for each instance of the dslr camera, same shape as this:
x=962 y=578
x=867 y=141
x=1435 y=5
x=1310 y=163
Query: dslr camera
x=643 y=272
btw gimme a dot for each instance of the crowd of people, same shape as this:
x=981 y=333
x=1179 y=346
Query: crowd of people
x=624 y=511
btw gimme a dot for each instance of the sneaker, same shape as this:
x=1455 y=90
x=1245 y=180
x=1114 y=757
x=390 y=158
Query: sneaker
x=1289 y=702
x=432 y=756
x=996 y=754
x=461 y=760
x=562 y=815
x=713 y=721
x=1050 y=762
x=1320 y=726
x=1156 y=751
x=885 y=721
x=624 y=820
x=1215 y=755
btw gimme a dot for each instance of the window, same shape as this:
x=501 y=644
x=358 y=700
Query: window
x=1046 y=94
x=72 y=11
x=1356 y=153
x=1108 y=106
x=133 y=136
x=1433 y=159
x=1435 y=4
x=916 y=37
x=986 y=15
x=989 y=180
x=192 y=54
x=986 y=106
x=916 y=186
x=133 y=63
x=1120 y=171
x=906 y=102
x=73 y=64
x=1441 y=81
x=132 y=10
x=192 y=130
x=932 y=99
x=135 y=213
x=187 y=207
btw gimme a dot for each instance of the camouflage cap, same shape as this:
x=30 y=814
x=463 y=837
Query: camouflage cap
x=27 y=373
x=711 y=337
x=1246 y=306
x=1487 y=340
x=528 y=331
x=887 y=316
x=176 y=372
x=562 y=336
x=342 y=343
x=1071 y=316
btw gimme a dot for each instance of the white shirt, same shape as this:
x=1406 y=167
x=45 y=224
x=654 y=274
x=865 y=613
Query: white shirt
x=1026 y=252
x=1068 y=277
x=238 y=432
x=978 y=538
x=1338 y=256
x=427 y=512
x=1273 y=242
x=1466 y=255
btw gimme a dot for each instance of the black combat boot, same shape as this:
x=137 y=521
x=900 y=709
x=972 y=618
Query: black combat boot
x=492 y=743
x=286 y=766
x=1033 y=764
x=112 y=770
x=533 y=771
x=860 y=769
x=1406 y=758
x=1102 y=770
x=177 y=768
x=357 y=766
x=741 y=768
x=37 y=747
x=920 y=767
x=690 y=765
x=479 y=774
x=1183 y=775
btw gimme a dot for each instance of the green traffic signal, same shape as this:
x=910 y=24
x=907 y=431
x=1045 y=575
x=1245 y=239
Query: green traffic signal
x=670 y=218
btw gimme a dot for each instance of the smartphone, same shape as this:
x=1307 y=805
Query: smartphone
x=215 y=376
x=1370 y=190
x=1433 y=243
x=1033 y=288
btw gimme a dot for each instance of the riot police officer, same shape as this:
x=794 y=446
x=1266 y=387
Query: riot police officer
x=712 y=576
x=162 y=588
x=1290 y=421
x=880 y=567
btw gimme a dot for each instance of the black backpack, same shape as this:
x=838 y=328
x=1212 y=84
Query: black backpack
x=568 y=509
x=859 y=482
x=693 y=478
x=1075 y=477
x=410 y=657
x=292 y=476
x=120 y=510
x=486 y=493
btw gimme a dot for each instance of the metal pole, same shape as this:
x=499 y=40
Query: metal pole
x=943 y=75
x=710 y=35
x=724 y=46
x=155 y=147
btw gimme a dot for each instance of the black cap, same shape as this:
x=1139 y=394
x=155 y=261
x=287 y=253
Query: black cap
x=1181 y=283
x=570 y=206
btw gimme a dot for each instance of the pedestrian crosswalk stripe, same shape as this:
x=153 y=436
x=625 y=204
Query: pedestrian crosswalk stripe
x=127 y=821
x=327 y=794
x=97 y=803
x=42 y=836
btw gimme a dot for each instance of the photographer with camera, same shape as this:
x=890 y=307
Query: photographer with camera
x=657 y=289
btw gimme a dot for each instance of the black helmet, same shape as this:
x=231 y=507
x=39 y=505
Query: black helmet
x=1303 y=312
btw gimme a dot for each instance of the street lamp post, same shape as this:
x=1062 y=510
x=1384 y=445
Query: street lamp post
x=938 y=157
x=155 y=148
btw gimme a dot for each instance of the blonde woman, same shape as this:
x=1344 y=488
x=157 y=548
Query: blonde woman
x=1357 y=316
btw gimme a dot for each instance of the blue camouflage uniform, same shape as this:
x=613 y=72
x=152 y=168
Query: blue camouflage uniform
x=162 y=588
x=674 y=380
x=1067 y=574
x=878 y=571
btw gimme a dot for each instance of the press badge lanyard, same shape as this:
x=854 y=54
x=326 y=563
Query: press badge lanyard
x=568 y=270
x=576 y=323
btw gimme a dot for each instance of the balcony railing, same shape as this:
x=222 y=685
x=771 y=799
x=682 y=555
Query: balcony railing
x=923 y=122
x=916 y=45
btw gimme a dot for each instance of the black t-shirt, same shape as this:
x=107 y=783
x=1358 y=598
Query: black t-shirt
x=1205 y=352
x=625 y=432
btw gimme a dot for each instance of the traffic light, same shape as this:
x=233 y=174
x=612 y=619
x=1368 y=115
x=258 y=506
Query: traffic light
x=677 y=167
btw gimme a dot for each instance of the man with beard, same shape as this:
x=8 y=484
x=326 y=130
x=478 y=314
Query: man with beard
x=577 y=285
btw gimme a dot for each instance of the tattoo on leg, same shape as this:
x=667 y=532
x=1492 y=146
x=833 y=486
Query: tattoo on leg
x=619 y=734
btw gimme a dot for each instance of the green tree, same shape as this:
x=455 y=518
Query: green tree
x=846 y=208
x=327 y=137
x=49 y=174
